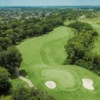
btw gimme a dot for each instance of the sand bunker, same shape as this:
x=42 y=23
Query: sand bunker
x=50 y=84
x=88 y=84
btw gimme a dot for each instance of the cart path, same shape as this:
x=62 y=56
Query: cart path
x=30 y=84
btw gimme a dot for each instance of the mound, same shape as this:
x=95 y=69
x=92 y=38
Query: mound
x=65 y=80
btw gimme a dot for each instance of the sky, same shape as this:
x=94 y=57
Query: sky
x=48 y=2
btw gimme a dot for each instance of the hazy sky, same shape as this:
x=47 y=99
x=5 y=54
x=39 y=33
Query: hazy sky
x=47 y=2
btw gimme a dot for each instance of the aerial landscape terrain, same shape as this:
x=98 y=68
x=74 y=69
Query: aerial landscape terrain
x=50 y=53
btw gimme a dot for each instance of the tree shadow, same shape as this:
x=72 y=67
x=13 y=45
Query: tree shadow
x=22 y=72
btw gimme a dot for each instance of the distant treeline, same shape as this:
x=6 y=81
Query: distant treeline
x=18 y=24
x=79 y=47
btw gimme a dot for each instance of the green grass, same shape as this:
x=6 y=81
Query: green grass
x=66 y=80
x=42 y=59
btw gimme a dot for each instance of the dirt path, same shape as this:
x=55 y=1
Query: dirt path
x=30 y=84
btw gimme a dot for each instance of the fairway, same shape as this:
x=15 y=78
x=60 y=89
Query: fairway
x=43 y=59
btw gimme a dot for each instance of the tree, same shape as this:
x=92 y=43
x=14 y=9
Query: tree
x=5 y=85
x=12 y=60
x=22 y=93
x=36 y=94
x=81 y=26
x=5 y=43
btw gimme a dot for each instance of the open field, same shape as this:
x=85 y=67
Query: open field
x=42 y=60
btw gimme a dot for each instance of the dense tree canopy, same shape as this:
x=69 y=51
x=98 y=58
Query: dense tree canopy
x=10 y=59
x=4 y=81
x=22 y=93
x=79 y=48
x=24 y=28
x=81 y=26
x=24 y=23
x=5 y=43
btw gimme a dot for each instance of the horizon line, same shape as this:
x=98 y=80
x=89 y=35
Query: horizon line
x=42 y=5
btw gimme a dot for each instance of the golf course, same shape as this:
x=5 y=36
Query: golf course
x=43 y=61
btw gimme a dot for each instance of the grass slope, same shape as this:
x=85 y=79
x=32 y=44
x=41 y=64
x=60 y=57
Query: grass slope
x=42 y=60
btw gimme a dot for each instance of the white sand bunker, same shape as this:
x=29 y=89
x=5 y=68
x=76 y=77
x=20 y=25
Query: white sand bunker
x=88 y=84
x=50 y=84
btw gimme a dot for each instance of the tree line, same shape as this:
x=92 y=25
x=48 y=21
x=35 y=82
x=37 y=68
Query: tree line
x=79 y=47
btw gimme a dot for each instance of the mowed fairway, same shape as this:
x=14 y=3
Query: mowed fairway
x=43 y=59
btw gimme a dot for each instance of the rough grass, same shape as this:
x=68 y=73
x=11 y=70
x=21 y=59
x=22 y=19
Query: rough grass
x=45 y=52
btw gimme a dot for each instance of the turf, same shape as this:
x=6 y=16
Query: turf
x=66 y=80
x=42 y=60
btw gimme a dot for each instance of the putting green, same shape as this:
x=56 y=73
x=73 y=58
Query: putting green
x=65 y=80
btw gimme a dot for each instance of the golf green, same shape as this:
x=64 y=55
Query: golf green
x=43 y=59
x=65 y=80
